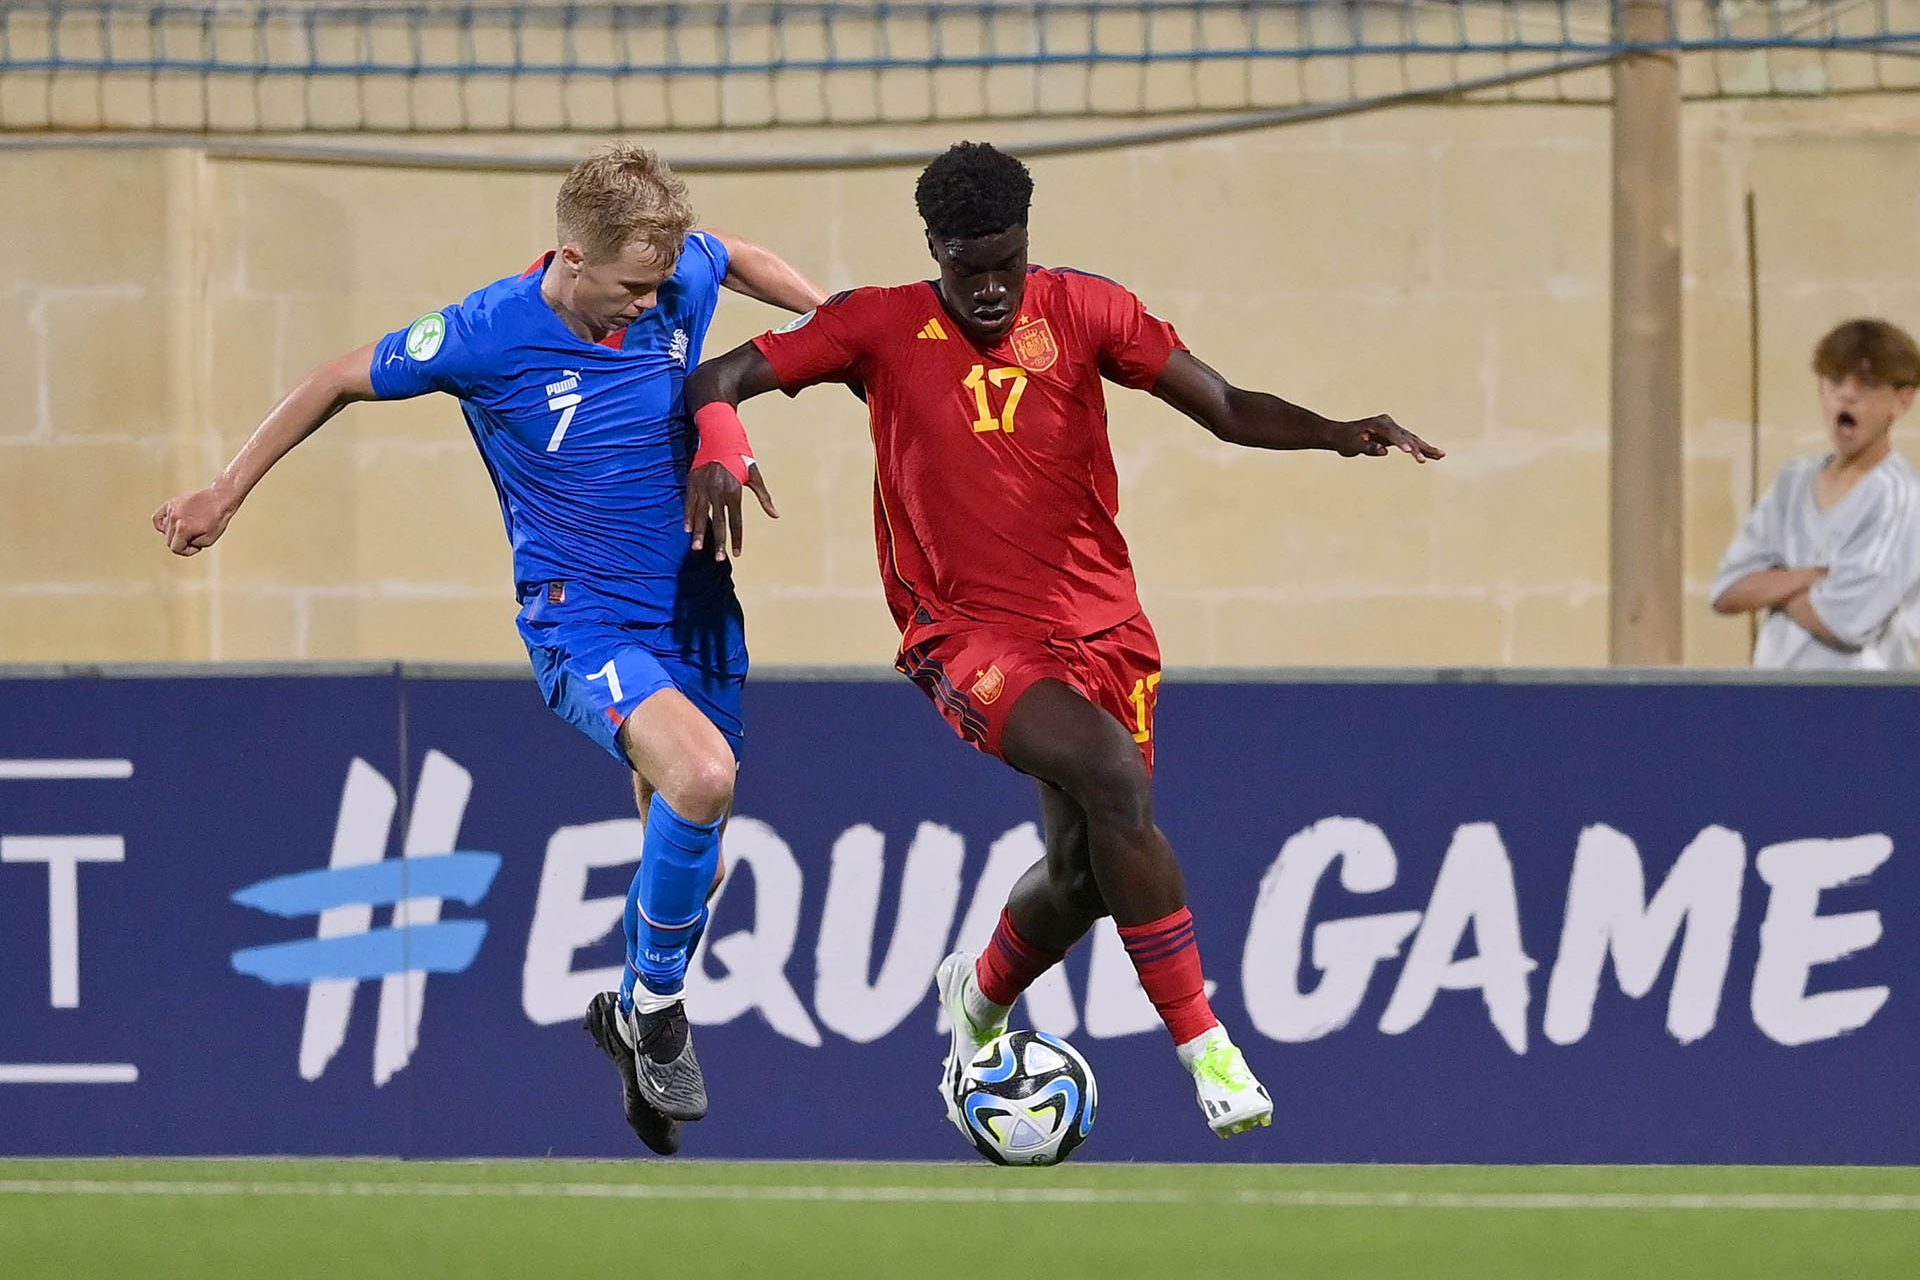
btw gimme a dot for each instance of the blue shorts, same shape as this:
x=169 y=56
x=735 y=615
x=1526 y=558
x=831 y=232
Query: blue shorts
x=595 y=665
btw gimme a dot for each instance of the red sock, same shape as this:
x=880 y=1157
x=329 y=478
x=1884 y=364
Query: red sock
x=1010 y=963
x=1168 y=960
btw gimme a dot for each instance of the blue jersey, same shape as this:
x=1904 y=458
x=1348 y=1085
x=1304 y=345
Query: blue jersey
x=587 y=443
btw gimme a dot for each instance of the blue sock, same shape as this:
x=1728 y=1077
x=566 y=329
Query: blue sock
x=666 y=904
x=630 y=925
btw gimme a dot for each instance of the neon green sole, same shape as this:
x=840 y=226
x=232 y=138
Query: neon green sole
x=1258 y=1122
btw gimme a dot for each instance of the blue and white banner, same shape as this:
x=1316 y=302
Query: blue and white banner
x=1447 y=922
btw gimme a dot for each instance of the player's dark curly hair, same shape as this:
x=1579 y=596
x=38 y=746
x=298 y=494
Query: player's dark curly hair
x=973 y=190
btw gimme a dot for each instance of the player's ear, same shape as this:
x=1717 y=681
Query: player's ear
x=573 y=255
x=933 y=246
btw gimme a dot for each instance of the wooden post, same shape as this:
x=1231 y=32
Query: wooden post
x=1646 y=526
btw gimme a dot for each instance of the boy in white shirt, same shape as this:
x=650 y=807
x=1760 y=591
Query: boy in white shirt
x=1832 y=552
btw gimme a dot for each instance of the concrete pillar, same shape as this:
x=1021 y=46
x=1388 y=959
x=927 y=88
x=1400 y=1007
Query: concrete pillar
x=1646 y=519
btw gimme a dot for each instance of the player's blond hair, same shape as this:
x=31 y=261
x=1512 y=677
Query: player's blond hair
x=620 y=195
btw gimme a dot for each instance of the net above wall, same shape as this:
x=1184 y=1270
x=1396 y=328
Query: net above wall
x=243 y=66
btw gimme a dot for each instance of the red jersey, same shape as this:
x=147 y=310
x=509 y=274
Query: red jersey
x=994 y=487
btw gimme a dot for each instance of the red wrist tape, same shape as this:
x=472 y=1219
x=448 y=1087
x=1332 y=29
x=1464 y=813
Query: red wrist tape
x=723 y=439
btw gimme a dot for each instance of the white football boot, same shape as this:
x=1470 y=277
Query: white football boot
x=1233 y=1100
x=951 y=981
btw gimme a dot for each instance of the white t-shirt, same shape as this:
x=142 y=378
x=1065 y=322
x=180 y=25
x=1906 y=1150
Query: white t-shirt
x=1869 y=543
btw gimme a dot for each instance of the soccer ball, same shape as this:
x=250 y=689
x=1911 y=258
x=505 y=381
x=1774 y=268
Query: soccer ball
x=1027 y=1098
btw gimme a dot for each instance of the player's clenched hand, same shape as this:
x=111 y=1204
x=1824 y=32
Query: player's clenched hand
x=192 y=522
x=713 y=506
x=1380 y=435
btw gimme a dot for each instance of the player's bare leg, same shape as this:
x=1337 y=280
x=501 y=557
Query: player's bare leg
x=1058 y=736
x=1052 y=905
x=1058 y=899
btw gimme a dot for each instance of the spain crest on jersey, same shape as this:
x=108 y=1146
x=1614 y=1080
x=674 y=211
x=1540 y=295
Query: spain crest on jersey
x=1033 y=346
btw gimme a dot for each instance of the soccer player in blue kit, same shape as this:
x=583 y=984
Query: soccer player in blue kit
x=571 y=376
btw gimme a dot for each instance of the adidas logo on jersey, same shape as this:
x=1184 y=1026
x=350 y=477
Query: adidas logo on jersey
x=933 y=330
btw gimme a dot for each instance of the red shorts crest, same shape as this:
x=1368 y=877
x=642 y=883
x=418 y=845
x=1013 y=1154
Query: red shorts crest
x=1033 y=346
x=977 y=673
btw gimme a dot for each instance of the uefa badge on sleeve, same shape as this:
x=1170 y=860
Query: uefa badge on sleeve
x=426 y=335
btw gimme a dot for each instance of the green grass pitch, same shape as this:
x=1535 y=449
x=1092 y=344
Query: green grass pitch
x=296 y=1219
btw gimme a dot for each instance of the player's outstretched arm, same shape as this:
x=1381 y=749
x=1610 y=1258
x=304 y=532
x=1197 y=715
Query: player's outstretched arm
x=757 y=272
x=724 y=461
x=1262 y=421
x=192 y=522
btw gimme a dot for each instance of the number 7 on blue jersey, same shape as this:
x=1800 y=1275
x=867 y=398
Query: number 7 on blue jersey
x=564 y=405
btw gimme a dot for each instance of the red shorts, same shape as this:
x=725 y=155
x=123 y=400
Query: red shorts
x=976 y=674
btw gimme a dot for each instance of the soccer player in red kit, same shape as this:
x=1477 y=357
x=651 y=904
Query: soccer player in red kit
x=994 y=503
